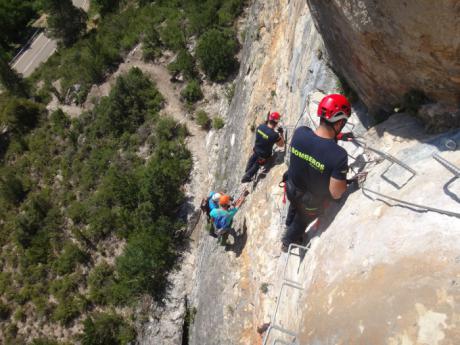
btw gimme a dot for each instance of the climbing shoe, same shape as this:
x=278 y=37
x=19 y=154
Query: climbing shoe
x=245 y=179
x=284 y=248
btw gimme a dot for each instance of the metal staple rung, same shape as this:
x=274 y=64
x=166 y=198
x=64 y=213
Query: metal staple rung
x=281 y=329
x=386 y=156
x=292 y=245
x=448 y=165
x=407 y=203
x=282 y=342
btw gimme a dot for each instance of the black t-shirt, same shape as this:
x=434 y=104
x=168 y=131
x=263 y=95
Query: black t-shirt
x=314 y=160
x=265 y=139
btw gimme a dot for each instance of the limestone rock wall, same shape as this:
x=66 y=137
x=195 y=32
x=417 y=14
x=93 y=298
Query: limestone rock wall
x=377 y=272
x=386 y=48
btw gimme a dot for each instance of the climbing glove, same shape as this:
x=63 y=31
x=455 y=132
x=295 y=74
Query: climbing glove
x=345 y=136
x=280 y=130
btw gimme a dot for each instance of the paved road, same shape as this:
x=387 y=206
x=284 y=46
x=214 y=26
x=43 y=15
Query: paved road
x=40 y=49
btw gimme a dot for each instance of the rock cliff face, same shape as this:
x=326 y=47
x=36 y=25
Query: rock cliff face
x=378 y=272
x=384 y=49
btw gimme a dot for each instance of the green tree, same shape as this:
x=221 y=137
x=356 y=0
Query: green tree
x=20 y=115
x=130 y=100
x=216 y=53
x=192 y=92
x=10 y=80
x=105 y=6
x=147 y=258
x=173 y=35
x=65 y=22
x=100 y=282
x=14 y=17
x=151 y=43
x=184 y=63
x=12 y=189
x=71 y=256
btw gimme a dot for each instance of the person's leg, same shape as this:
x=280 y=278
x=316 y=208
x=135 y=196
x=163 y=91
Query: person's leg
x=300 y=214
x=295 y=206
x=290 y=215
x=251 y=168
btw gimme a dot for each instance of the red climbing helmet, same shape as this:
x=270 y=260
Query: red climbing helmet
x=275 y=116
x=334 y=107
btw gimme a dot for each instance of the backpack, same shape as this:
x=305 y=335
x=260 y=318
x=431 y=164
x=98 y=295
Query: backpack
x=204 y=206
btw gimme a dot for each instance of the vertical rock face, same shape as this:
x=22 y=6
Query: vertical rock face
x=376 y=273
x=384 y=49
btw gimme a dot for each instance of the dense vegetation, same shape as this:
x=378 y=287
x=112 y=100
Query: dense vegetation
x=88 y=220
x=158 y=25
x=15 y=17
x=70 y=187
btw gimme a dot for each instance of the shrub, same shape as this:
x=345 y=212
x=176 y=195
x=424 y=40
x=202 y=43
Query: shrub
x=230 y=92
x=105 y=6
x=192 y=92
x=31 y=218
x=60 y=121
x=106 y=329
x=100 y=282
x=184 y=63
x=19 y=315
x=20 y=115
x=43 y=307
x=216 y=53
x=12 y=189
x=172 y=34
x=130 y=100
x=44 y=341
x=151 y=44
x=229 y=11
x=202 y=119
x=147 y=258
x=5 y=311
x=66 y=311
x=71 y=256
x=218 y=123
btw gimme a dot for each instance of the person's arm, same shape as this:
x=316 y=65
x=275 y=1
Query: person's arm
x=337 y=188
x=280 y=141
x=338 y=181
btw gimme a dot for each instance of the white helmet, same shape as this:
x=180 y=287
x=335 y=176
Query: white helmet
x=216 y=197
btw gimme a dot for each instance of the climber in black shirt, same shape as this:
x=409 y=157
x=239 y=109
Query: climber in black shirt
x=318 y=167
x=266 y=137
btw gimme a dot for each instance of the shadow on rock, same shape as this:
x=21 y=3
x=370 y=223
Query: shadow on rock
x=240 y=237
x=276 y=159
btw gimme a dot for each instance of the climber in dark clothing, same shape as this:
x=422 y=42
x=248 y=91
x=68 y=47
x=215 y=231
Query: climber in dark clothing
x=318 y=167
x=266 y=137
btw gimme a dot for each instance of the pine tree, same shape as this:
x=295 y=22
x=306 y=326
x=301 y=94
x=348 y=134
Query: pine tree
x=65 y=22
x=10 y=80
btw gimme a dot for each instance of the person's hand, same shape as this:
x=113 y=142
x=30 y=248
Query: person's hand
x=359 y=177
x=345 y=136
x=280 y=130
